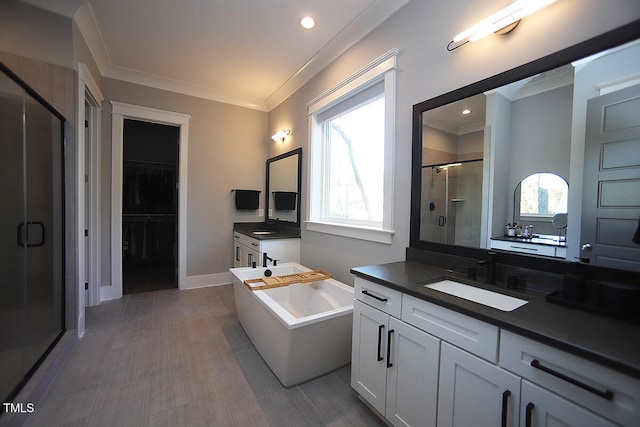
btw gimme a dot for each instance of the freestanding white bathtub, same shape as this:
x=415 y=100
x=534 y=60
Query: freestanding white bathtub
x=301 y=331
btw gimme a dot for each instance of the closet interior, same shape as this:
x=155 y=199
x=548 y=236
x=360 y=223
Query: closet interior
x=149 y=208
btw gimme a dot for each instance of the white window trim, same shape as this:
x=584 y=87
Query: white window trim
x=382 y=68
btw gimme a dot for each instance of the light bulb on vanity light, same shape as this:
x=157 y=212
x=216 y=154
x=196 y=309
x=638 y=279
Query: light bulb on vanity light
x=502 y=22
x=280 y=136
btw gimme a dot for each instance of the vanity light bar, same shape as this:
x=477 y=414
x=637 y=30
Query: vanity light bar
x=499 y=20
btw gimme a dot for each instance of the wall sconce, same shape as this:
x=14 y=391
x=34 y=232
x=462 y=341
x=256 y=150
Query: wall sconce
x=280 y=136
x=501 y=22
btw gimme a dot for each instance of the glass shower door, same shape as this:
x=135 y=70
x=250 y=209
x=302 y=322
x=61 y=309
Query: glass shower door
x=31 y=231
x=44 y=236
x=12 y=255
x=452 y=203
x=434 y=209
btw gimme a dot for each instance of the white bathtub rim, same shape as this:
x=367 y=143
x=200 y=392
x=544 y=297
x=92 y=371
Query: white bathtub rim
x=259 y=271
x=292 y=322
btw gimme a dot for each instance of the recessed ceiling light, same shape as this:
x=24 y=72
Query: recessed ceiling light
x=466 y=112
x=307 y=22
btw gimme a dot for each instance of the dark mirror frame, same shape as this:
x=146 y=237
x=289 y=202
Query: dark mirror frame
x=297 y=151
x=619 y=36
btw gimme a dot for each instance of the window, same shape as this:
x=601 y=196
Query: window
x=543 y=195
x=352 y=131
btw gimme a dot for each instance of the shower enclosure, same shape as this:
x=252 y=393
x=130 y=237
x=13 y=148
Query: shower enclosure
x=32 y=235
x=452 y=203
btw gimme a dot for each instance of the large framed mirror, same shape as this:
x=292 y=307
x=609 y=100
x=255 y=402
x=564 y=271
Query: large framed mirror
x=283 y=185
x=473 y=148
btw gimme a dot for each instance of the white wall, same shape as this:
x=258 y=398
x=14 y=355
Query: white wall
x=421 y=30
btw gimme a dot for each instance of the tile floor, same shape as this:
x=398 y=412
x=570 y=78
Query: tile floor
x=180 y=358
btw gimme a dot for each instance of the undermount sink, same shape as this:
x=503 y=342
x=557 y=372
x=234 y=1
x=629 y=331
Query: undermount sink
x=261 y=233
x=481 y=296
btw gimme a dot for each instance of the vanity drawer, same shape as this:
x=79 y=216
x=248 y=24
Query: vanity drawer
x=465 y=332
x=527 y=248
x=604 y=391
x=246 y=241
x=378 y=296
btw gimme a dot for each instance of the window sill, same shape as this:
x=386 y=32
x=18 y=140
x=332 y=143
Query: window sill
x=351 y=231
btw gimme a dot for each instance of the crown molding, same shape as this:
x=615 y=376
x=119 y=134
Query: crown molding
x=88 y=26
x=162 y=83
x=363 y=24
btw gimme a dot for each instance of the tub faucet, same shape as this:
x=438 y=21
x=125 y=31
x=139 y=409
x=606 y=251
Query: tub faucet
x=490 y=262
x=266 y=258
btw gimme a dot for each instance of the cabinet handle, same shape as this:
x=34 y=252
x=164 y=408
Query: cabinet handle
x=254 y=244
x=528 y=412
x=366 y=292
x=607 y=394
x=237 y=253
x=525 y=248
x=380 y=329
x=505 y=401
x=389 y=334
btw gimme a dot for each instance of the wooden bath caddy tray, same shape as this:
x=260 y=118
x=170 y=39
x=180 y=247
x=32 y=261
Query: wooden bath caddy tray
x=287 y=279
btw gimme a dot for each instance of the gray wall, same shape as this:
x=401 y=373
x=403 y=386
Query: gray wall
x=541 y=134
x=421 y=30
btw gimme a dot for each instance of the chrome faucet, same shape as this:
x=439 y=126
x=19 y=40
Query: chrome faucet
x=490 y=262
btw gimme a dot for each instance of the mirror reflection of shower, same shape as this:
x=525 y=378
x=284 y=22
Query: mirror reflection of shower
x=452 y=200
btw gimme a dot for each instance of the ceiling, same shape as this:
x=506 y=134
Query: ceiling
x=251 y=53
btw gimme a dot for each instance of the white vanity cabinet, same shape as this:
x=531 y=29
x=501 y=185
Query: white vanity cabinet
x=474 y=392
x=420 y=364
x=247 y=250
x=394 y=365
x=571 y=381
x=541 y=408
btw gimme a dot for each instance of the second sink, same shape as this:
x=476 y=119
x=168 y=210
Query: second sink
x=481 y=296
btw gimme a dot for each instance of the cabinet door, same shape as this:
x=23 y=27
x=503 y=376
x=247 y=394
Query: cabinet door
x=540 y=407
x=238 y=255
x=473 y=392
x=412 y=375
x=368 y=360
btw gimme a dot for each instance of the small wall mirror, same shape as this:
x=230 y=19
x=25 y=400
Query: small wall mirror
x=538 y=198
x=283 y=187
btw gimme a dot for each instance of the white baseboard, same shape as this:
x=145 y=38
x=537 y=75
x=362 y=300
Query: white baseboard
x=216 y=279
x=189 y=282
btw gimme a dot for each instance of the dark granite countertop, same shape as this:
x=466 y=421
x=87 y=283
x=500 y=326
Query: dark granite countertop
x=609 y=342
x=266 y=231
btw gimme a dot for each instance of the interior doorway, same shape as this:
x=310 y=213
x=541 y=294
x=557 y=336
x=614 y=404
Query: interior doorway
x=149 y=206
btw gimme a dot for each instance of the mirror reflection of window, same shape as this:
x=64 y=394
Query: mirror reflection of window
x=543 y=194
